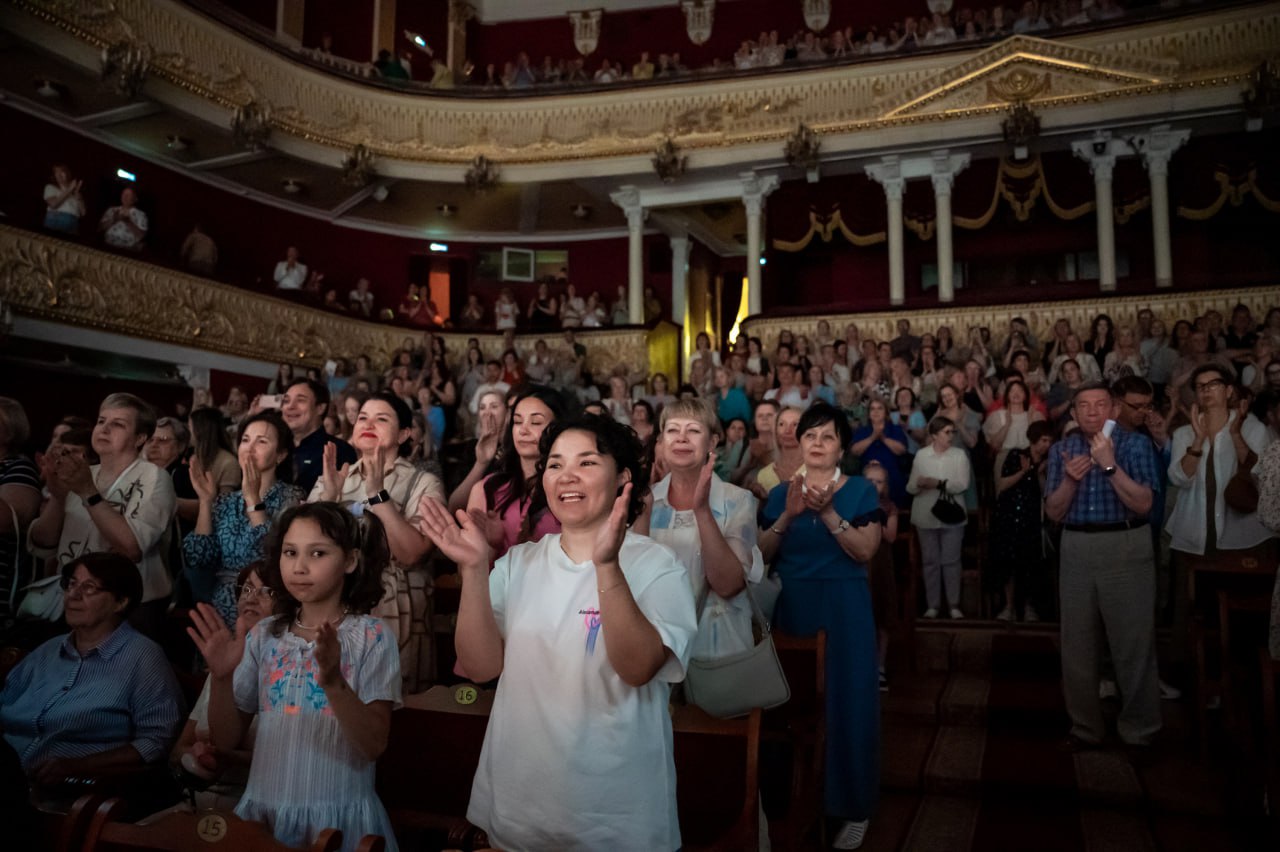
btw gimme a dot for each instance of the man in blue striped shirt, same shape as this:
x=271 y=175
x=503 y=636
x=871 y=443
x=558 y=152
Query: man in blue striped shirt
x=1101 y=489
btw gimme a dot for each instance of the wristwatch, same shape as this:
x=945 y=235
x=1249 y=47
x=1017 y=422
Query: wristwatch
x=258 y=507
x=1109 y=470
x=381 y=497
x=840 y=527
x=92 y=500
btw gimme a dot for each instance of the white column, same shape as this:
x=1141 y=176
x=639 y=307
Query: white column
x=679 y=276
x=945 y=169
x=628 y=198
x=1162 y=142
x=888 y=173
x=1101 y=152
x=754 y=191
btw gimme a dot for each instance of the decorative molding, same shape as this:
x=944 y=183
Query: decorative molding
x=1216 y=49
x=67 y=283
x=1040 y=316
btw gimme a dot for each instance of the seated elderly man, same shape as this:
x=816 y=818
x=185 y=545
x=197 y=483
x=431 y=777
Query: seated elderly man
x=100 y=701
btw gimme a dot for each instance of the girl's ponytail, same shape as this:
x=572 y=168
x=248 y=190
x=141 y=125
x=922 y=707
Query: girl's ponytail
x=363 y=589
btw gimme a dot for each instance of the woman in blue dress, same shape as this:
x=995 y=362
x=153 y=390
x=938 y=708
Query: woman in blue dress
x=820 y=530
x=884 y=441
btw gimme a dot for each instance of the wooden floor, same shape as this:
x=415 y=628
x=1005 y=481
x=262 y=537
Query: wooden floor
x=973 y=760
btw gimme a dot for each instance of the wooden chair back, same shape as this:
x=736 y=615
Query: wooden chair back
x=425 y=775
x=181 y=831
x=717 y=779
x=801 y=725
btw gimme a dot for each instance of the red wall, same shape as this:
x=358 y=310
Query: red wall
x=1237 y=247
x=252 y=236
x=350 y=22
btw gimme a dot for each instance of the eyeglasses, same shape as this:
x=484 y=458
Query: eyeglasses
x=160 y=439
x=85 y=589
x=248 y=591
x=1210 y=385
x=1141 y=406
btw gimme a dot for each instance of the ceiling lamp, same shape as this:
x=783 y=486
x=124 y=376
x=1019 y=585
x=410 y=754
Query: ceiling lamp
x=447 y=210
x=174 y=142
x=49 y=89
x=581 y=211
x=292 y=186
x=482 y=175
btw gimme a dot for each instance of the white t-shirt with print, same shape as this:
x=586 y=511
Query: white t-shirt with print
x=574 y=758
x=143 y=494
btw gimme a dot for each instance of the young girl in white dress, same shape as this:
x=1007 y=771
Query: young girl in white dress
x=322 y=676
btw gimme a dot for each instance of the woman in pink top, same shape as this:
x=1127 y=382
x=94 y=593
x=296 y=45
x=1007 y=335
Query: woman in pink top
x=500 y=501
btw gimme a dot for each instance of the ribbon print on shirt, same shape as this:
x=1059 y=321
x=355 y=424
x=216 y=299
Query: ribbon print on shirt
x=592 y=623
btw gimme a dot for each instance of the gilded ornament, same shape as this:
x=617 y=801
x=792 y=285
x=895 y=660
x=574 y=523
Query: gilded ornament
x=668 y=162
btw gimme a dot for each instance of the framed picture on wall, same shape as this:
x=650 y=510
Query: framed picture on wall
x=517 y=264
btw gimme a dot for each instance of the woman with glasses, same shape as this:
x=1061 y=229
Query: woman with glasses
x=1221 y=439
x=939 y=466
x=100 y=700
x=231 y=528
x=194 y=752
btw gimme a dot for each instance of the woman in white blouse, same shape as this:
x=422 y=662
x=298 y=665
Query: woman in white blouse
x=1006 y=428
x=710 y=524
x=936 y=466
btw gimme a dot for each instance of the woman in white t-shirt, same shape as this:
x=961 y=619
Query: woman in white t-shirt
x=588 y=628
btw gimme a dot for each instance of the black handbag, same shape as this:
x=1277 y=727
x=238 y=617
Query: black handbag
x=946 y=509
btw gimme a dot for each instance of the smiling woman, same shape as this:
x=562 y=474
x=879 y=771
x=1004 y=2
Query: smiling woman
x=588 y=628
x=386 y=485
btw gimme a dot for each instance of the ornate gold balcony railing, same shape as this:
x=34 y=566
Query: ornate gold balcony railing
x=1214 y=50
x=68 y=283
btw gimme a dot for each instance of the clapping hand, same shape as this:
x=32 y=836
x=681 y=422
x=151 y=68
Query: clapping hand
x=702 y=491
x=1102 y=450
x=221 y=648
x=490 y=524
x=818 y=499
x=334 y=478
x=328 y=656
x=461 y=540
x=75 y=475
x=1199 y=426
x=1076 y=467
x=375 y=472
x=610 y=536
x=795 y=504
x=202 y=481
x=1242 y=411
x=49 y=473
x=487 y=439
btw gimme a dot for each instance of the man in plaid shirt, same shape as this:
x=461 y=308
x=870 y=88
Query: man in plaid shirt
x=1101 y=489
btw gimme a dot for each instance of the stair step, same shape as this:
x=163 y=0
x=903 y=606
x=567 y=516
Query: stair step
x=902 y=765
x=954 y=766
x=914 y=695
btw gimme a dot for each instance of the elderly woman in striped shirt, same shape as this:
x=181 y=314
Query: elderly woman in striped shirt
x=100 y=700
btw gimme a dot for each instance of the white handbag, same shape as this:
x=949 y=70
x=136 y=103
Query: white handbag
x=43 y=600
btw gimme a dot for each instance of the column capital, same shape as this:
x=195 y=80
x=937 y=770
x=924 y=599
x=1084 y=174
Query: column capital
x=1158 y=146
x=1101 y=153
x=628 y=198
x=888 y=173
x=755 y=189
x=945 y=168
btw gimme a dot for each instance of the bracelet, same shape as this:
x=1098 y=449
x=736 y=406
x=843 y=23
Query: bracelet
x=777 y=531
x=611 y=588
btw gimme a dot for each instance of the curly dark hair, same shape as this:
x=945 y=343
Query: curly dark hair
x=614 y=440
x=362 y=588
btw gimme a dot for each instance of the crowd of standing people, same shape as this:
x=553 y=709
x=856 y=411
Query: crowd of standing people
x=610 y=529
